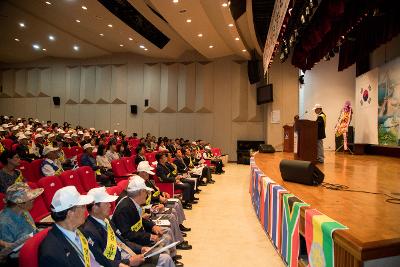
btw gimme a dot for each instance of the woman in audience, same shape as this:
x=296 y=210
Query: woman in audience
x=124 y=150
x=103 y=162
x=9 y=174
x=140 y=154
x=160 y=146
x=112 y=153
x=89 y=160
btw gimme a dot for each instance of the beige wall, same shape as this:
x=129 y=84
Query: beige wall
x=195 y=100
x=284 y=77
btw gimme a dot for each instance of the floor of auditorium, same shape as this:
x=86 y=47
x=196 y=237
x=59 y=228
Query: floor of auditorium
x=225 y=230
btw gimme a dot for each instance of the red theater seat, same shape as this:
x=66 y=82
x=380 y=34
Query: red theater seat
x=129 y=164
x=50 y=184
x=39 y=210
x=34 y=172
x=87 y=177
x=29 y=253
x=7 y=143
x=24 y=167
x=71 y=177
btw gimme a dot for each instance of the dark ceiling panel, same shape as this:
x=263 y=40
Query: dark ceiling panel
x=262 y=12
x=237 y=7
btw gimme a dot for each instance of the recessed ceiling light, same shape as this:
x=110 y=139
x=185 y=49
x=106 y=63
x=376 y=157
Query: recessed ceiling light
x=101 y=34
x=51 y=38
x=36 y=46
x=200 y=35
x=22 y=24
x=121 y=45
x=224 y=4
x=130 y=39
x=16 y=39
x=141 y=46
x=76 y=48
x=237 y=39
x=230 y=25
x=109 y=25
x=84 y=8
x=77 y=20
x=188 y=20
x=146 y=49
x=244 y=50
x=211 y=46
x=48 y=3
x=175 y=1
x=44 y=49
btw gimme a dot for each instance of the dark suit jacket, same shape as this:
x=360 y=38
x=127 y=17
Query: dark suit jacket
x=165 y=174
x=138 y=159
x=89 y=160
x=98 y=235
x=55 y=250
x=126 y=215
x=181 y=166
x=321 y=126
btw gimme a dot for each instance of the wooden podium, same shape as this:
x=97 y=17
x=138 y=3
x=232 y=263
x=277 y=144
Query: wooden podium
x=288 y=135
x=305 y=140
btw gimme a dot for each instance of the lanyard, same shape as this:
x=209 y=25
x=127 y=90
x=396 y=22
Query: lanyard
x=29 y=219
x=111 y=247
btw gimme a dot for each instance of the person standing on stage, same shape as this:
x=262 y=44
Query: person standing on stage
x=321 y=121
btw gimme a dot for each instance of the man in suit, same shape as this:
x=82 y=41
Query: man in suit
x=321 y=121
x=106 y=243
x=133 y=227
x=194 y=165
x=65 y=245
x=184 y=169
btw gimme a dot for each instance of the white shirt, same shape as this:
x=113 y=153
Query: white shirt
x=103 y=161
x=48 y=170
x=111 y=155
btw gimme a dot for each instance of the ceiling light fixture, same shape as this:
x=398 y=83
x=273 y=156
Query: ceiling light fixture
x=130 y=39
x=121 y=45
x=230 y=25
x=237 y=39
x=84 y=7
x=109 y=25
x=200 y=35
x=211 y=46
x=44 y=49
x=224 y=4
x=48 y=3
x=141 y=46
x=188 y=20
x=51 y=38
x=77 y=20
x=36 y=46
x=22 y=24
x=146 y=49
x=76 y=48
x=244 y=50
x=101 y=34
x=16 y=39
x=175 y=1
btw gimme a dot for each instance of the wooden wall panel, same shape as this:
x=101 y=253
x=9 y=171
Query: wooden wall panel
x=103 y=84
x=254 y=111
x=152 y=84
x=169 y=88
x=187 y=88
x=204 y=87
x=73 y=85
x=119 y=84
x=88 y=84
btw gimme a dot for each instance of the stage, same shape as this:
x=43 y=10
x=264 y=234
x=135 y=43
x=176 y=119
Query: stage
x=374 y=228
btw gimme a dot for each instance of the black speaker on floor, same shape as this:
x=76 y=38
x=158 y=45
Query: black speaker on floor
x=56 y=100
x=264 y=148
x=134 y=109
x=302 y=172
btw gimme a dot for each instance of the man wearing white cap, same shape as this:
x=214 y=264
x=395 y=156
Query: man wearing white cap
x=65 y=245
x=39 y=143
x=128 y=218
x=106 y=243
x=23 y=149
x=321 y=121
x=51 y=166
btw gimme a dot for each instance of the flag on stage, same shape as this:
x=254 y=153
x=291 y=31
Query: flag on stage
x=268 y=208
x=276 y=214
x=264 y=202
x=290 y=229
x=318 y=234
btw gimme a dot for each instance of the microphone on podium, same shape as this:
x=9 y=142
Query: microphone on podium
x=302 y=115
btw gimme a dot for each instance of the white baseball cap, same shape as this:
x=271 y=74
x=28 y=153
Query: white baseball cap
x=22 y=136
x=28 y=132
x=38 y=136
x=39 y=129
x=15 y=128
x=88 y=145
x=136 y=183
x=207 y=147
x=100 y=195
x=86 y=134
x=20 y=124
x=80 y=132
x=74 y=135
x=5 y=125
x=48 y=149
x=51 y=135
x=317 y=106
x=144 y=166
x=67 y=136
x=2 y=129
x=68 y=197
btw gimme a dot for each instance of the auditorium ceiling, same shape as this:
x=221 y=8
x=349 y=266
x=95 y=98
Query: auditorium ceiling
x=34 y=29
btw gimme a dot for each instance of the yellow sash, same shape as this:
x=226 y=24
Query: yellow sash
x=148 y=200
x=58 y=172
x=157 y=193
x=20 y=178
x=85 y=248
x=1 y=148
x=29 y=219
x=137 y=226
x=111 y=247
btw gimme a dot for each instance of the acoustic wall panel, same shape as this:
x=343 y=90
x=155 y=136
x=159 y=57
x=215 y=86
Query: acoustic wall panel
x=254 y=111
x=239 y=83
x=151 y=124
x=73 y=85
x=185 y=126
x=187 y=88
x=103 y=84
x=8 y=83
x=119 y=84
x=169 y=88
x=118 y=117
x=86 y=118
x=72 y=114
x=32 y=84
x=152 y=84
x=88 y=84
x=20 y=83
x=45 y=82
x=43 y=105
x=103 y=117
x=204 y=87
x=168 y=123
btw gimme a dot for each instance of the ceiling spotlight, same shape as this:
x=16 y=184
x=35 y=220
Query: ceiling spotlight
x=22 y=24
x=101 y=34
x=175 y=1
x=200 y=35
x=51 y=38
x=211 y=46
x=141 y=46
x=44 y=49
x=130 y=39
x=77 y=20
x=84 y=8
x=224 y=4
x=237 y=39
x=244 y=50
x=230 y=25
x=36 y=46
x=16 y=39
x=188 y=20
x=76 y=48
x=109 y=25
x=121 y=45
x=48 y=3
x=146 y=49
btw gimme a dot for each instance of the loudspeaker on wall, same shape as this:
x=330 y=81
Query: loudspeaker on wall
x=134 y=109
x=56 y=100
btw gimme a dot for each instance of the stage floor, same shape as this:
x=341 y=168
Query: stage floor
x=368 y=216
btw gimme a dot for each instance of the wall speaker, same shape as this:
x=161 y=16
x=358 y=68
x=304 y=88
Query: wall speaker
x=146 y=102
x=253 y=71
x=264 y=148
x=134 y=109
x=56 y=100
x=302 y=172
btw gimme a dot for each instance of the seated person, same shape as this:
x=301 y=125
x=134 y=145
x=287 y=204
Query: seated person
x=140 y=154
x=108 y=246
x=101 y=159
x=145 y=170
x=112 y=153
x=183 y=169
x=65 y=245
x=124 y=150
x=88 y=159
x=23 y=149
x=214 y=160
x=9 y=174
x=195 y=166
x=167 y=174
x=127 y=217
x=16 y=224
x=50 y=165
x=66 y=164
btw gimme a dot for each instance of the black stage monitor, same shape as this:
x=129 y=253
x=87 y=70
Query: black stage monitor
x=302 y=172
x=264 y=94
